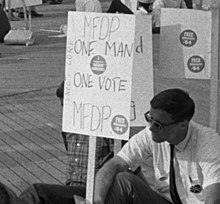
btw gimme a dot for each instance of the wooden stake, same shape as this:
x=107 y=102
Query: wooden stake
x=91 y=169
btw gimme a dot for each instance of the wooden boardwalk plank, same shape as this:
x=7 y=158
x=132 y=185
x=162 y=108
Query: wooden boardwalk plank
x=7 y=182
x=31 y=146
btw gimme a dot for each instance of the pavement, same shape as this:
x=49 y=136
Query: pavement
x=31 y=146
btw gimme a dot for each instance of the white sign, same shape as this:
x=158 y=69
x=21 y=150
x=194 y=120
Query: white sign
x=103 y=94
x=18 y=3
x=185 y=43
x=142 y=75
x=99 y=58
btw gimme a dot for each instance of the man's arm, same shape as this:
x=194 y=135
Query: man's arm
x=105 y=177
x=212 y=194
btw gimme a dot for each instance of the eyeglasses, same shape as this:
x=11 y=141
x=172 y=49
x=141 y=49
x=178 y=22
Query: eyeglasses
x=156 y=124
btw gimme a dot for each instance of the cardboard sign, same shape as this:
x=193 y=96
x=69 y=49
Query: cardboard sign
x=131 y=4
x=18 y=3
x=99 y=59
x=142 y=75
x=185 y=43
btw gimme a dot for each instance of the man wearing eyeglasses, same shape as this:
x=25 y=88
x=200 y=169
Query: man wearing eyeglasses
x=179 y=159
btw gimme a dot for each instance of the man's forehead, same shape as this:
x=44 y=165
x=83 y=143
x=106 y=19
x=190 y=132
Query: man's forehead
x=160 y=115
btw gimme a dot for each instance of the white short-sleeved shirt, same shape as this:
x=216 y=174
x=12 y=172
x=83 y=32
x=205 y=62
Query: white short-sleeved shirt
x=88 y=6
x=197 y=161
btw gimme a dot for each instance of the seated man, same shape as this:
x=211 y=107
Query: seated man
x=180 y=159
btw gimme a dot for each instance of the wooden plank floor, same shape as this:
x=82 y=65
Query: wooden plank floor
x=31 y=146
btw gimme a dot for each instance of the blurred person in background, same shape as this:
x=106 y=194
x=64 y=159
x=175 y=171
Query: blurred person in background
x=88 y=6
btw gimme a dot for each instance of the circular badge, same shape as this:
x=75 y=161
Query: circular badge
x=196 y=188
x=188 y=38
x=98 y=64
x=119 y=124
x=196 y=64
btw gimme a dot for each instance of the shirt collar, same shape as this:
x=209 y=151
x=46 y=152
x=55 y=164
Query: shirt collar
x=181 y=146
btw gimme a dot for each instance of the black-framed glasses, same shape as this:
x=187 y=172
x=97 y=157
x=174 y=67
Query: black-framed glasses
x=156 y=124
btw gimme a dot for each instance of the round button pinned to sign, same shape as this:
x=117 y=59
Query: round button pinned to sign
x=98 y=64
x=119 y=124
x=196 y=64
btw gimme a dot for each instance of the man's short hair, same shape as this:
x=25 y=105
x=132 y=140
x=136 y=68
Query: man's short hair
x=176 y=102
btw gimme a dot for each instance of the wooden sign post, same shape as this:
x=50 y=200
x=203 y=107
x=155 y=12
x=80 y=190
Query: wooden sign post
x=100 y=56
x=189 y=48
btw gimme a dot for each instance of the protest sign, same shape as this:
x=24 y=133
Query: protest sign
x=142 y=74
x=189 y=48
x=99 y=79
x=185 y=43
x=99 y=58
x=18 y=3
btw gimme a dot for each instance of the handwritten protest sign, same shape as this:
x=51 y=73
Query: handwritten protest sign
x=99 y=58
x=185 y=43
x=18 y=3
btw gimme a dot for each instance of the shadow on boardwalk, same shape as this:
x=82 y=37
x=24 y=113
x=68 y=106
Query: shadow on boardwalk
x=31 y=147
